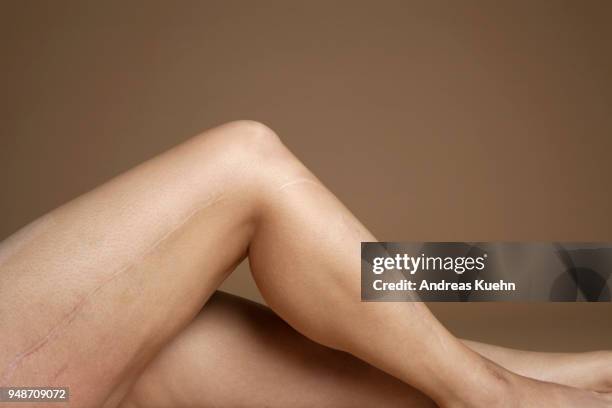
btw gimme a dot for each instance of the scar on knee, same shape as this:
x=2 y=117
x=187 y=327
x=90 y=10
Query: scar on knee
x=301 y=180
x=69 y=317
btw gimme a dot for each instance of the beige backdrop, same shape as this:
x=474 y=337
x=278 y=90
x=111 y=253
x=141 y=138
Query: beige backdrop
x=431 y=121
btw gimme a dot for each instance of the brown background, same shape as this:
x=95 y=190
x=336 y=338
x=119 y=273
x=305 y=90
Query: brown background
x=431 y=121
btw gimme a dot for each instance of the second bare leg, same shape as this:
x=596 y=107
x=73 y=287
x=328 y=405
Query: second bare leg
x=238 y=353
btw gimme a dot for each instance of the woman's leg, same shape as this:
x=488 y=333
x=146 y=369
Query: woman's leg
x=305 y=259
x=237 y=353
x=90 y=292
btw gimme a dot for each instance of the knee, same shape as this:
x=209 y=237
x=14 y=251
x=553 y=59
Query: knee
x=249 y=160
x=253 y=150
x=254 y=132
x=248 y=139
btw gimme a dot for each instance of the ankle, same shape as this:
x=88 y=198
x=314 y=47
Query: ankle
x=496 y=387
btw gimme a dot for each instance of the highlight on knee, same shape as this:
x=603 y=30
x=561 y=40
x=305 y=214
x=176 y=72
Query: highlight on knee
x=245 y=151
x=251 y=135
x=258 y=147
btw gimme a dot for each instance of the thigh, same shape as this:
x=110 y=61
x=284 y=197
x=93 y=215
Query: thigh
x=237 y=353
x=91 y=291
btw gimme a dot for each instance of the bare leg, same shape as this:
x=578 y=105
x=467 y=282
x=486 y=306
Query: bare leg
x=237 y=353
x=105 y=281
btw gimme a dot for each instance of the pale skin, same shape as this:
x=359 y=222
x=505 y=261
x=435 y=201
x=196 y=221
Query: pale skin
x=237 y=353
x=91 y=292
x=251 y=358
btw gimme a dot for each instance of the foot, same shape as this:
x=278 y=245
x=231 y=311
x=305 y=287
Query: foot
x=528 y=393
x=500 y=388
x=591 y=370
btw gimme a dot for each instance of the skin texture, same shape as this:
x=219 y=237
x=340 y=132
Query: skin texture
x=238 y=353
x=105 y=281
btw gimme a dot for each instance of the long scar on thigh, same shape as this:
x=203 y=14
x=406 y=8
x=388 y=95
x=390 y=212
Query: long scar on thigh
x=74 y=311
